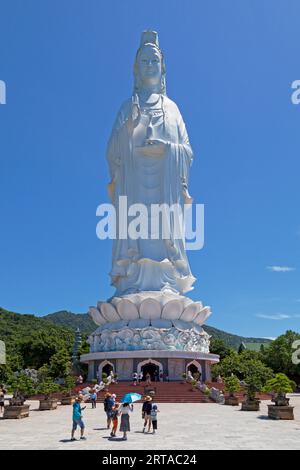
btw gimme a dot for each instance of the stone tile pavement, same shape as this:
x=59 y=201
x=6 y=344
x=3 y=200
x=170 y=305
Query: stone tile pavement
x=180 y=426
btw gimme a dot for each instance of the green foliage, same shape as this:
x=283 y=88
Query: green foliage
x=31 y=341
x=244 y=366
x=218 y=346
x=280 y=384
x=47 y=387
x=104 y=376
x=232 y=384
x=23 y=384
x=278 y=354
x=69 y=384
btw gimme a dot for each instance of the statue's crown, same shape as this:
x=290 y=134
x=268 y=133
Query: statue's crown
x=149 y=37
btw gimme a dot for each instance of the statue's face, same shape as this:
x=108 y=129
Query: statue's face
x=149 y=66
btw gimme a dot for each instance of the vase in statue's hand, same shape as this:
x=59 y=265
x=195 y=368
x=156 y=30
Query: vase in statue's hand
x=154 y=148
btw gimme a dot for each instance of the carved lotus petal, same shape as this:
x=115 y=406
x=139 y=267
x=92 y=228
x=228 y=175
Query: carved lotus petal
x=202 y=316
x=191 y=311
x=127 y=310
x=96 y=316
x=150 y=308
x=172 y=310
x=109 y=312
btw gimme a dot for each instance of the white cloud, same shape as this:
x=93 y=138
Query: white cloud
x=280 y=269
x=270 y=337
x=274 y=316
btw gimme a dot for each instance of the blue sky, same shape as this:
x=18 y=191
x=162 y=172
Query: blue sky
x=67 y=66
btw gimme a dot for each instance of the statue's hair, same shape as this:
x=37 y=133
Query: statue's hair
x=163 y=69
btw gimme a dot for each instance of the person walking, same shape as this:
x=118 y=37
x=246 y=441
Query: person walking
x=108 y=405
x=77 y=418
x=140 y=377
x=146 y=413
x=154 y=412
x=148 y=379
x=94 y=398
x=125 y=409
x=134 y=378
x=114 y=417
x=2 y=397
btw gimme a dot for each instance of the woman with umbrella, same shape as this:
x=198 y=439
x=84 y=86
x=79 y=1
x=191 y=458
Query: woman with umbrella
x=125 y=408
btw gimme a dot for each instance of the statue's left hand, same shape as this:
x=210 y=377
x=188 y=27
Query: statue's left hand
x=154 y=147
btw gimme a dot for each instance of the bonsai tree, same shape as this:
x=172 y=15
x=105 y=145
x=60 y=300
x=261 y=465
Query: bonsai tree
x=232 y=385
x=94 y=381
x=22 y=387
x=193 y=384
x=253 y=386
x=183 y=377
x=47 y=387
x=68 y=385
x=280 y=385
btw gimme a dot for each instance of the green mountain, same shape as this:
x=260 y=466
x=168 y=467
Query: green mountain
x=86 y=325
x=30 y=341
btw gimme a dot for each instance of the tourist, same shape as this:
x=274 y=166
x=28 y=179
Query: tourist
x=161 y=376
x=155 y=375
x=2 y=397
x=154 y=412
x=140 y=377
x=113 y=397
x=190 y=377
x=148 y=379
x=108 y=405
x=125 y=420
x=114 y=417
x=219 y=379
x=94 y=398
x=77 y=418
x=134 y=378
x=112 y=376
x=146 y=413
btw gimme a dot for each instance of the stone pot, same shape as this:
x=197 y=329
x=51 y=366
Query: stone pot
x=281 y=412
x=49 y=404
x=16 y=411
x=67 y=400
x=250 y=405
x=232 y=401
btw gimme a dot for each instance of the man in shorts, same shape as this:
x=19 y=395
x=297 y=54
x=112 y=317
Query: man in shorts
x=77 y=418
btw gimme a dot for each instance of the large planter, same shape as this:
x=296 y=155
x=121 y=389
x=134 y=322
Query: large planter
x=250 y=405
x=281 y=412
x=232 y=401
x=67 y=401
x=49 y=404
x=16 y=412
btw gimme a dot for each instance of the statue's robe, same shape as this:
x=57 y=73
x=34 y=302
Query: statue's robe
x=150 y=265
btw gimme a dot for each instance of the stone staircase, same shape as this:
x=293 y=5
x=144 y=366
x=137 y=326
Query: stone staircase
x=165 y=392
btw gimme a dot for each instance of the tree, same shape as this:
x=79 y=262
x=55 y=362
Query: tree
x=278 y=355
x=244 y=366
x=218 y=346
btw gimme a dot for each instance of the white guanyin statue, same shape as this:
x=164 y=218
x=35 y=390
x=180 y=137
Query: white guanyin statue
x=149 y=158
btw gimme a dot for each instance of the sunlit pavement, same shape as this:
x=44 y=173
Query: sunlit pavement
x=180 y=426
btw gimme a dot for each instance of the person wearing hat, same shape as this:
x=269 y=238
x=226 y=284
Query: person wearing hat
x=77 y=418
x=146 y=412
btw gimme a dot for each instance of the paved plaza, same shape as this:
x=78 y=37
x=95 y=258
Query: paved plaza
x=180 y=426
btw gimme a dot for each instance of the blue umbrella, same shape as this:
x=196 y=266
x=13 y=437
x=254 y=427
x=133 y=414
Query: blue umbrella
x=131 y=397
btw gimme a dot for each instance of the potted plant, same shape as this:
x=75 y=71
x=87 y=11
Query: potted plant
x=116 y=378
x=280 y=385
x=47 y=388
x=232 y=385
x=253 y=385
x=193 y=384
x=22 y=387
x=67 y=392
x=183 y=378
x=207 y=392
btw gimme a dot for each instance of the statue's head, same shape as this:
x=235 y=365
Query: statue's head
x=149 y=66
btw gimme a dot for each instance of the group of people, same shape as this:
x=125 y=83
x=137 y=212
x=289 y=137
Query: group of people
x=138 y=377
x=114 y=411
